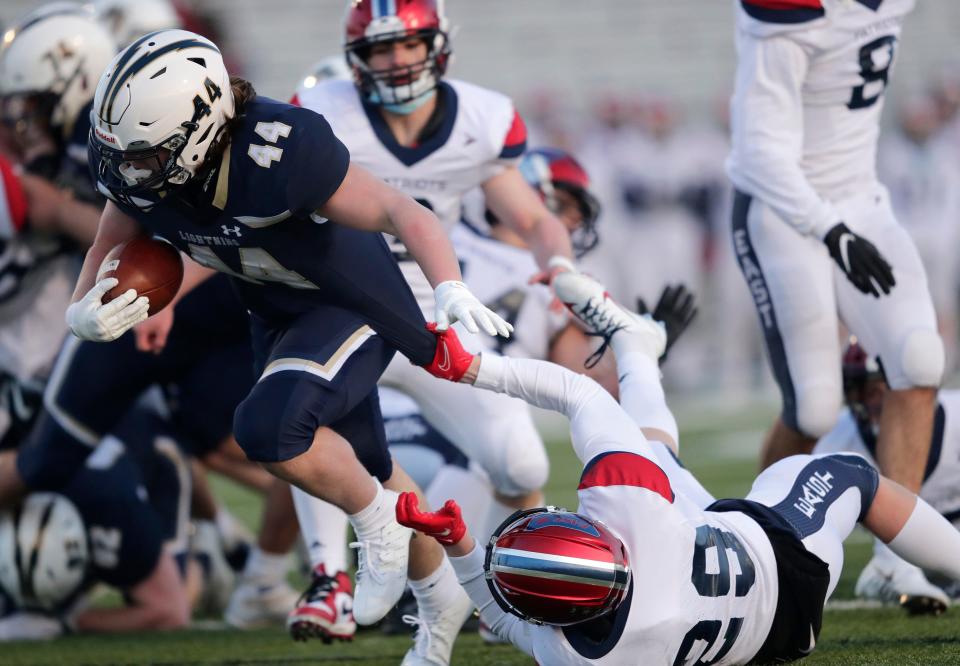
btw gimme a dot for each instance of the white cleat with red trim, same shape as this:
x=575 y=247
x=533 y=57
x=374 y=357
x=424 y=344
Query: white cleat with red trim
x=325 y=609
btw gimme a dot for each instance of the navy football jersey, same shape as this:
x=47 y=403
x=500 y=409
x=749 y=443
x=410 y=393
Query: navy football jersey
x=253 y=217
x=124 y=532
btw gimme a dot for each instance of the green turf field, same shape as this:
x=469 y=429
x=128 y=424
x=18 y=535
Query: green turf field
x=725 y=462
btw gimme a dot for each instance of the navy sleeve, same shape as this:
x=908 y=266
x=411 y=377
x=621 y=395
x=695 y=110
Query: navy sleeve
x=319 y=163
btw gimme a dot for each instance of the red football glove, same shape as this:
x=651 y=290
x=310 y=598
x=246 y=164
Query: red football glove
x=445 y=525
x=450 y=361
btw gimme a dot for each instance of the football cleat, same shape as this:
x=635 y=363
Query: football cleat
x=325 y=609
x=255 y=605
x=436 y=632
x=901 y=583
x=592 y=306
x=381 y=571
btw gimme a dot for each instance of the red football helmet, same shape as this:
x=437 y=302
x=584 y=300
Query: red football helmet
x=551 y=566
x=373 y=21
x=551 y=169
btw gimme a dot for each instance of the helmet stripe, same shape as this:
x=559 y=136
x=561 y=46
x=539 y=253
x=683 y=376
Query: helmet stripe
x=547 y=566
x=127 y=56
x=617 y=584
x=138 y=65
x=41 y=15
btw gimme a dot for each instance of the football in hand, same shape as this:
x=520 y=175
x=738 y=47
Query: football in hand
x=151 y=267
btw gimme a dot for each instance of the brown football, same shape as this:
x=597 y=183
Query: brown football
x=153 y=268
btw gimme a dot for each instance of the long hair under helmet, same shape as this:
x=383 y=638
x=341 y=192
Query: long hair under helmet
x=404 y=88
x=552 y=566
x=159 y=107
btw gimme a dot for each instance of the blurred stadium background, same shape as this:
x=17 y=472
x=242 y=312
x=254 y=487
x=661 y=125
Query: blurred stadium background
x=638 y=91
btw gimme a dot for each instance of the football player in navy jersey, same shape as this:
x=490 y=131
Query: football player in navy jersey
x=49 y=209
x=132 y=498
x=265 y=192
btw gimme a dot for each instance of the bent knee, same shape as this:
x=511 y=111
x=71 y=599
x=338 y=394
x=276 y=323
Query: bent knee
x=921 y=361
x=816 y=412
x=525 y=469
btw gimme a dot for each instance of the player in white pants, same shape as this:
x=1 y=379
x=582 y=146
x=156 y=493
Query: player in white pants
x=887 y=577
x=658 y=584
x=435 y=139
x=813 y=229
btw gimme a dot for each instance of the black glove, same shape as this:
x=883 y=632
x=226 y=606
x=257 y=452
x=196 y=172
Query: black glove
x=860 y=260
x=676 y=309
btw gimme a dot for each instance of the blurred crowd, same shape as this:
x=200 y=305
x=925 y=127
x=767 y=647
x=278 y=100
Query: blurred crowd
x=659 y=175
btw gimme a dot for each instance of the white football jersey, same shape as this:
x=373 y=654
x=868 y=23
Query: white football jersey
x=479 y=136
x=498 y=275
x=32 y=326
x=806 y=108
x=36 y=283
x=941 y=489
x=704 y=586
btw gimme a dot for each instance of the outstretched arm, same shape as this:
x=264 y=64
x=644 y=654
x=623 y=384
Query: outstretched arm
x=517 y=205
x=597 y=423
x=159 y=602
x=365 y=202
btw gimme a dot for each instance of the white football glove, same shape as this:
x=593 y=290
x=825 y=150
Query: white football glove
x=90 y=319
x=456 y=303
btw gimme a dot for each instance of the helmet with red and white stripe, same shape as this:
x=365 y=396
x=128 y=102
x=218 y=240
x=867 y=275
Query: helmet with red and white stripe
x=552 y=566
x=550 y=169
x=376 y=21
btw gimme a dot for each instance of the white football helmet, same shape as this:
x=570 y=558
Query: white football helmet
x=159 y=106
x=128 y=20
x=50 y=63
x=43 y=552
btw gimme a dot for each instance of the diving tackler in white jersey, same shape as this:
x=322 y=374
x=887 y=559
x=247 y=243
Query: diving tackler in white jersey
x=679 y=578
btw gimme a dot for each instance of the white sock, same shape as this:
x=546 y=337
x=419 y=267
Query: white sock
x=266 y=567
x=438 y=590
x=625 y=342
x=929 y=541
x=883 y=554
x=324 y=530
x=379 y=513
x=641 y=393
